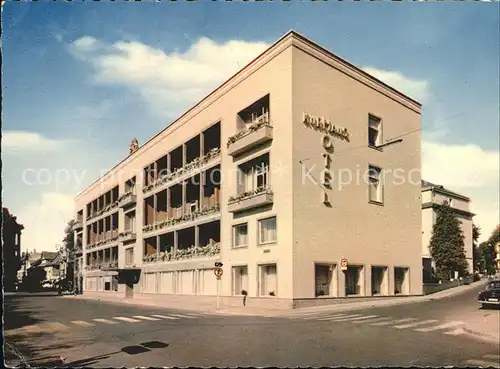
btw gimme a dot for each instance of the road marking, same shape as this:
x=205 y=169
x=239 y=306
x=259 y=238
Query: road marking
x=183 y=316
x=129 y=320
x=55 y=326
x=144 y=317
x=395 y=321
x=411 y=325
x=455 y=332
x=164 y=317
x=438 y=327
x=335 y=318
x=105 y=321
x=82 y=323
x=483 y=363
x=372 y=320
x=325 y=316
x=494 y=357
x=357 y=318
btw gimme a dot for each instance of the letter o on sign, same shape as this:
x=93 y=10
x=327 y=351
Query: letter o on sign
x=327 y=142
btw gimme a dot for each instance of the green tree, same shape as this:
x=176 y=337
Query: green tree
x=447 y=244
x=476 y=233
x=69 y=236
x=486 y=251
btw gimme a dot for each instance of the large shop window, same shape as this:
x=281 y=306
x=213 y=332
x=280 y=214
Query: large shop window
x=240 y=235
x=268 y=281
x=354 y=281
x=401 y=281
x=240 y=279
x=267 y=230
x=324 y=280
x=379 y=280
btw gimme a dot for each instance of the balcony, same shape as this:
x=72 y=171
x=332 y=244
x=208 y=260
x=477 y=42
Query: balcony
x=127 y=236
x=188 y=170
x=103 y=211
x=77 y=225
x=179 y=217
x=127 y=199
x=251 y=199
x=259 y=132
x=104 y=239
x=212 y=249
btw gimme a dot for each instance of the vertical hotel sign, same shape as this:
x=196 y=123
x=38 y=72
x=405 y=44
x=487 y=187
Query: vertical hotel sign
x=329 y=130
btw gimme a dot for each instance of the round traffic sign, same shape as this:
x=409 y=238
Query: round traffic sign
x=218 y=272
x=343 y=262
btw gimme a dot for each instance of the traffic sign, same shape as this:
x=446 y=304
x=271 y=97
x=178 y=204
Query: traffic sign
x=218 y=272
x=343 y=264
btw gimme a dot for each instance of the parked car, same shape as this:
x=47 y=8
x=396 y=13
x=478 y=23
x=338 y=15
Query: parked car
x=491 y=295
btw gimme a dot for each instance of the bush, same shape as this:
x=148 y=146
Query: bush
x=475 y=277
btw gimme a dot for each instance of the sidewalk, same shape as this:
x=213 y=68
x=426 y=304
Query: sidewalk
x=208 y=304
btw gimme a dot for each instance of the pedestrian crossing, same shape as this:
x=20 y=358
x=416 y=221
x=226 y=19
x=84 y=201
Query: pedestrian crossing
x=96 y=322
x=451 y=328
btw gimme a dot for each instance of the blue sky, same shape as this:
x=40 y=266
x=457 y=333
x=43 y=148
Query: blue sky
x=81 y=79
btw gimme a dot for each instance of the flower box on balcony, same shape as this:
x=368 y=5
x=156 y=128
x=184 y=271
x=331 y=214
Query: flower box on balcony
x=127 y=199
x=255 y=135
x=252 y=199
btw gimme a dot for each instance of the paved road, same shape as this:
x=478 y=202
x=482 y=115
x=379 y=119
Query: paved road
x=98 y=334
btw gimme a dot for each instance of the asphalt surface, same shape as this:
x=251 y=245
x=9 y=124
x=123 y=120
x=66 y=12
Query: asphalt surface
x=44 y=325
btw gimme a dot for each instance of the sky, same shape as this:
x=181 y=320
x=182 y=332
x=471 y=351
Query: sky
x=80 y=80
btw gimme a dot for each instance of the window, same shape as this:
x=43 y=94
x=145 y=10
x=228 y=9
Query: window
x=354 y=280
x=374 y=131
x=240 y=280
x=268 y=282
x=129 y=256
x=379 y=281
x=401 y=281
x=261 y=175
x=323 y=275
x=267 y=230
x=375 y=185
x=240 y=235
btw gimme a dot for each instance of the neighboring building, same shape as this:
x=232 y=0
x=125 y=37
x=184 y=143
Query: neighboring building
x=433 y=196
x=41 y=267
x=226 y=183
x=11 y=248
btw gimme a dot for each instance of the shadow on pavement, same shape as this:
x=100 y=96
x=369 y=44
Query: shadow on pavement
x=16 y=317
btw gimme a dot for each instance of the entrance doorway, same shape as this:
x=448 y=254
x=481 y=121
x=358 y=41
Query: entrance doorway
x=379 y=281
x=401 y=282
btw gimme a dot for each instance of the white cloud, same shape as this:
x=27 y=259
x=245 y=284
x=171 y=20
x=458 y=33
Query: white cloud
x=25 y=141
x=166 y=81
x=414 y=88
x=45 y=220
x=470 y=171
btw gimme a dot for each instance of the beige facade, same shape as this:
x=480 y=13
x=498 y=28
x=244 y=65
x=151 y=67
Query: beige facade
x=432 y=197
x=238 y=179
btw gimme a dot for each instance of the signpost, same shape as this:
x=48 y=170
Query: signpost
x=343 y=264
x=218 y=273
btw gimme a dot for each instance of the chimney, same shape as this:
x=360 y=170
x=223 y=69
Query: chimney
x=134 y=145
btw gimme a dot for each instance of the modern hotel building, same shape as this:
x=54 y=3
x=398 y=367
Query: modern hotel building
x=256 y=176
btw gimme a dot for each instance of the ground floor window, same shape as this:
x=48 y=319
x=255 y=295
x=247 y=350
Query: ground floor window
x=268 y=282
x=107 y=286
x=354 y=280
x=240 y=280
x=324 y=280
x=427 y=273
x=379 y=280
x=401 y=282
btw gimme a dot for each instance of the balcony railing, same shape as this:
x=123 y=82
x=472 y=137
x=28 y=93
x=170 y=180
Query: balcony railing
x=78 y=224
x=127 y=199
x=212 y=249
x=126 y=236
x=250 y=199
x=102 y=211
x=101 y=240
x=180 y=218
x=257 y=133
x=190 y=167
x=102 y=265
